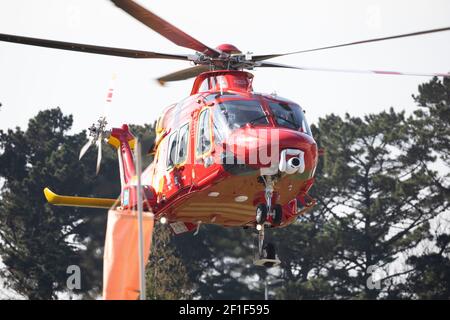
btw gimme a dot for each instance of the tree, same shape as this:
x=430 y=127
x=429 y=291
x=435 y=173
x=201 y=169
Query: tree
x=166 y=273
x=376 y=198
x=305 y=249
x=432 y=119
x=430 y=277
x=146 y=135
x=430 y=126
x=377 y=189
x=40 y=241
x=304 y=265
x=219 y=263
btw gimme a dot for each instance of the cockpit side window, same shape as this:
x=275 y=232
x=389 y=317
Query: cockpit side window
x=183 y=138
x=203 y=133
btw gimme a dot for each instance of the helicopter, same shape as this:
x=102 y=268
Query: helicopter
x=225 y=155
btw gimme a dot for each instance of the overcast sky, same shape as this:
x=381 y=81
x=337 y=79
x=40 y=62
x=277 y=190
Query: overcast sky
x=33 y=79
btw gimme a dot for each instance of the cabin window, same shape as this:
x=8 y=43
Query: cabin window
x=183 y=138
x=289 y=116
x=172 y=151
x=203 y=133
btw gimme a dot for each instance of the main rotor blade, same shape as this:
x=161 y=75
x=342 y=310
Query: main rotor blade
x=405 y=35
x=99 y=154
x=396 y=73
x=164 y=28
x=183 y=74
x=85 y=147
x=119 y=52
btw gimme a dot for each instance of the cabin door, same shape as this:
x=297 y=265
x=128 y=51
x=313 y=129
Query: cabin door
x=203 y=150
x=178 y=175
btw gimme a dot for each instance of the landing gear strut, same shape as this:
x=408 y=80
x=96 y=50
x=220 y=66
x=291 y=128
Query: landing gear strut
x=268 y=191
x=265 y=255
x=263 y=210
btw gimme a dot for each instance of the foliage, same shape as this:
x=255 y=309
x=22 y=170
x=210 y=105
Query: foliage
x=430 y=277
x=380 y=186
x=376 y=197
x=166 y=273
x=40 y=241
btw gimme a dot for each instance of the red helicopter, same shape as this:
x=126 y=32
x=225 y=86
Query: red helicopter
x=225 y=155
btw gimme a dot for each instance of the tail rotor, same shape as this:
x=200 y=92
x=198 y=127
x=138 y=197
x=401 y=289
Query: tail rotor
x=97 y=135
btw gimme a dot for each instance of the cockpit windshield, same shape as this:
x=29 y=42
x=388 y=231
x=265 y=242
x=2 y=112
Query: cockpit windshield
x=290 y=116
x=234 y=114
x=237 y=113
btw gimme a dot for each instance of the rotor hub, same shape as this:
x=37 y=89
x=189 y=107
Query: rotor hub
x=229 y=48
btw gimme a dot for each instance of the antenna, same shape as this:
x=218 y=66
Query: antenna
x=142 y=289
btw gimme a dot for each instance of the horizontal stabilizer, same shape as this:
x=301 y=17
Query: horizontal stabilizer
x=59 y=200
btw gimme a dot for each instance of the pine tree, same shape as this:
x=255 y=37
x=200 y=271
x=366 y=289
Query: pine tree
x=378 y=198
x=39 y=241
x=305 y=249
x=433 y=116
x=307 y=246
x=430 y=127
x=166 y=273
x=430 y=278
x=219 y=263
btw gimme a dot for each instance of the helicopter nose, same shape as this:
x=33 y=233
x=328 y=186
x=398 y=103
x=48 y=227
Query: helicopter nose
x=274 y=149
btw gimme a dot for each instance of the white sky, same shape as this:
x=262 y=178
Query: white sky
x=33 y=78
